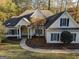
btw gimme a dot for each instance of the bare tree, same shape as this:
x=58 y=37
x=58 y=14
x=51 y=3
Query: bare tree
x=23 y=3
x=77 y=11
x=48 y=4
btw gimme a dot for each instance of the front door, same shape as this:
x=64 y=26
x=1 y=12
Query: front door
x=24 y=31
x=39 y=32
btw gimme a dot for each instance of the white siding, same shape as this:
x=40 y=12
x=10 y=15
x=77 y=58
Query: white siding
x=22 y=22
x=72 y=23
x=56 y=24
x=48 y=36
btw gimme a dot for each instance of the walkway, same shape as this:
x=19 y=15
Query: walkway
x=24 y=46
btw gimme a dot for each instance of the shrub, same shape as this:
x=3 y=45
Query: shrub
x=66 y=37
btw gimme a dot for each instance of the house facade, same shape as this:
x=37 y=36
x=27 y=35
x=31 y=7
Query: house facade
x=63 y=22
x=38 y=24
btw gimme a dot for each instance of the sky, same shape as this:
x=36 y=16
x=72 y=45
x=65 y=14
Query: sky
x=75 y=0
x=51 y=0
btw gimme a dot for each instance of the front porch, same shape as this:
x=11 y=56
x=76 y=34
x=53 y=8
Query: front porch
x=25 y=32
x=40 y=42
x=16 y=32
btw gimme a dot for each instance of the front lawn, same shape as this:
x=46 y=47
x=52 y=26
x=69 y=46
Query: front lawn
x=14 y=51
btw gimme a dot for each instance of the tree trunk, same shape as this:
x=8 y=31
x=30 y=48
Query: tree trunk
x=48 y=4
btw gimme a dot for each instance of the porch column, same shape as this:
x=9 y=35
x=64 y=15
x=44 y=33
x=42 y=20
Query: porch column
x=6 y=32
x=20 y=32
x=28 y=33
x=17 y=33
x=44 y=31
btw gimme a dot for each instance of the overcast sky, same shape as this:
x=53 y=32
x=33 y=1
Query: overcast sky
x=75 y=0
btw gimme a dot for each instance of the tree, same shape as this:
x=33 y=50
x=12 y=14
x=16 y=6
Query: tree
x=41 y=4
x=66 y=37
x=8 y=10
x=77 y=12
x=2 y=33
x=48 y=4
x=24 y=4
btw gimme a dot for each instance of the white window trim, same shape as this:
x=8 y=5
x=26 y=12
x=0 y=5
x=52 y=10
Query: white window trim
x=56 y=37
x=66 y=19
x=75 y=37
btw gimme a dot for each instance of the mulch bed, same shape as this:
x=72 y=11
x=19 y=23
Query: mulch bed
x=40 y=42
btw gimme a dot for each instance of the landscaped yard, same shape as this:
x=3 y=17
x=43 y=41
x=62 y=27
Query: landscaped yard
x=14 y=51
x=40 y=42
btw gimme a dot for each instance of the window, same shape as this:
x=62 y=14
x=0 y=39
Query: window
x=38 y=31
x=74 y=37
x=12 y=31
x=54 y=37
x=64 y=22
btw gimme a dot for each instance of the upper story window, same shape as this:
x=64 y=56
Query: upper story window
x=64 y=22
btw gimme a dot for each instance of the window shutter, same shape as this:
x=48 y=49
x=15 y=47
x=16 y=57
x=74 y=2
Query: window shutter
x=61 y=22
x=68 y=22
x=74 y=38
x=57 y=37
x=51 y=37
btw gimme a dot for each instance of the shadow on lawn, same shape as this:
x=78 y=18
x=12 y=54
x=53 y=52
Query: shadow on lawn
x=11 y=41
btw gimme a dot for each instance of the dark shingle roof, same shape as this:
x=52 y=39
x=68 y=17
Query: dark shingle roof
x=13 y=21
x=52 y=19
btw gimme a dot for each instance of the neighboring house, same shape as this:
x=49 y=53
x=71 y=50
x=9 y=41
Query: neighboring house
x=38 y=24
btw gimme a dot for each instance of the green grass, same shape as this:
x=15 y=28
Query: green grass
x=14 y=51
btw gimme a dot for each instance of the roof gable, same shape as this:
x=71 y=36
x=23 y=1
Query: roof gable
x=24 y=22
x=37 y=13
x=52 y=19
x=47 y=13
x=13 y=21
x=56 y=22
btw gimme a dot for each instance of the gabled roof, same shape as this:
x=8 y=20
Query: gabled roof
x=13 y=21
x=52 y=19
x=37 y=13
x=47 y=13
